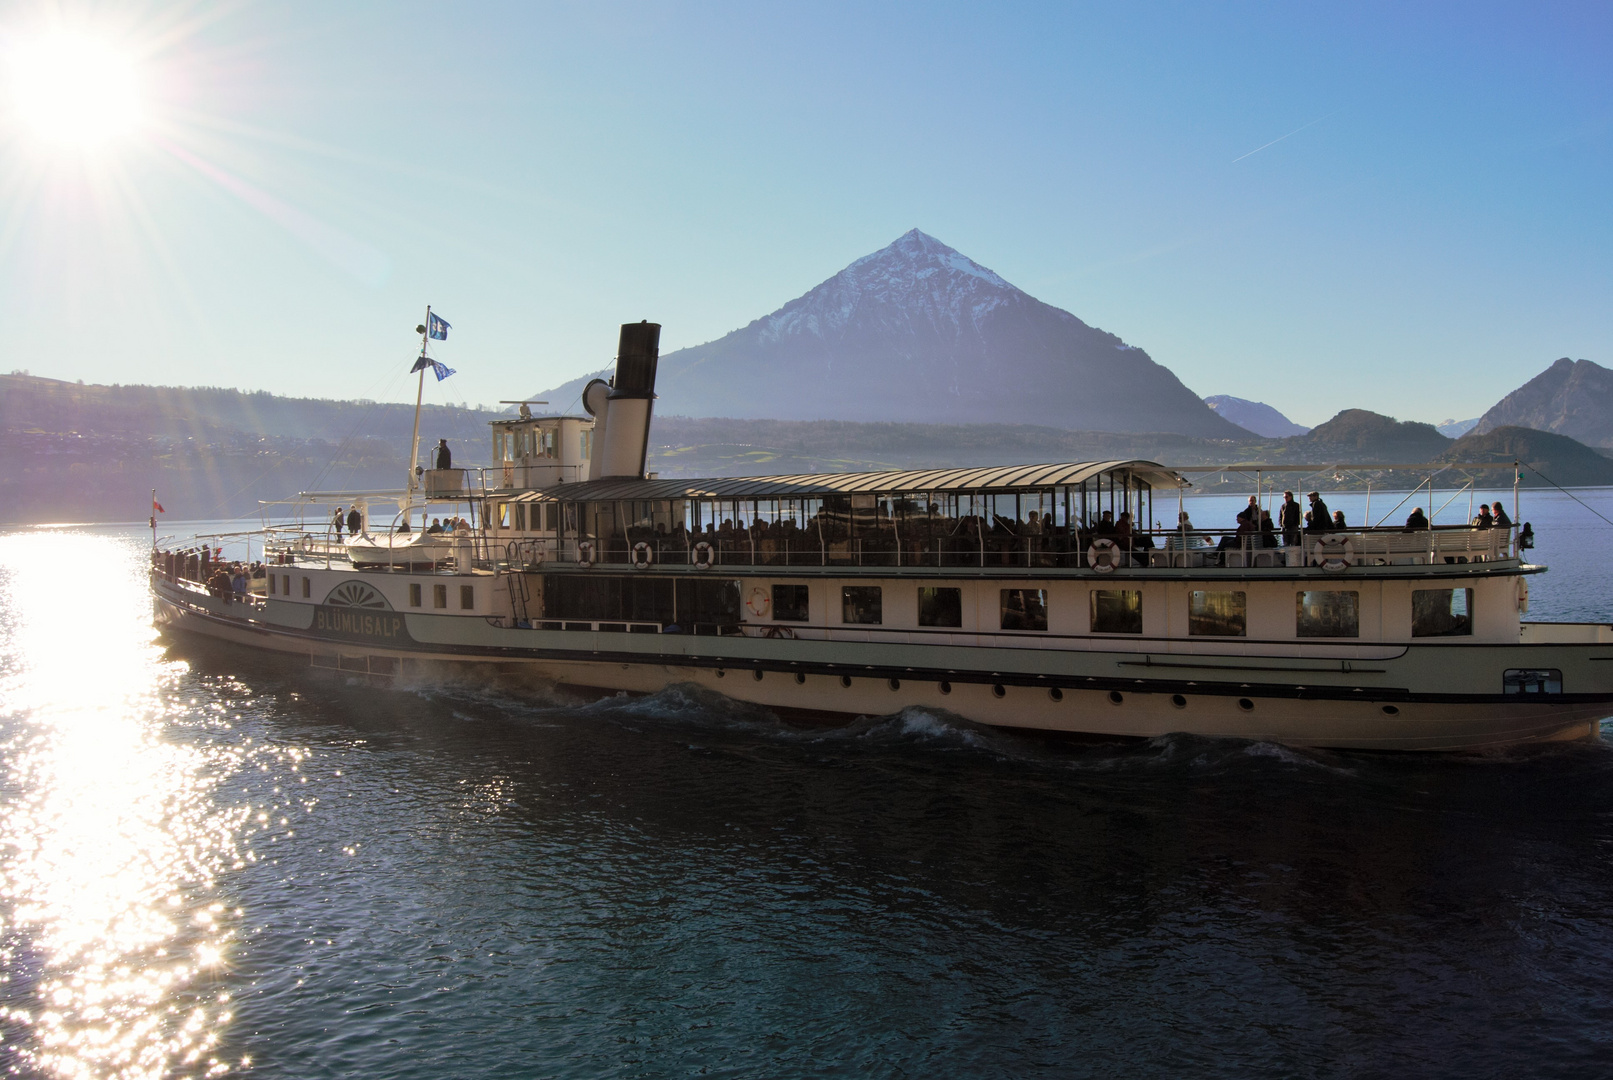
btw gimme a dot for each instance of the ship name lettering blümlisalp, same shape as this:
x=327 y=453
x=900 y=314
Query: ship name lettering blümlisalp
x=352 y=622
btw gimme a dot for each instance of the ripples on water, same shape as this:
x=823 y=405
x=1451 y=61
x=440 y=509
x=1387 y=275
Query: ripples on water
x=214 y=864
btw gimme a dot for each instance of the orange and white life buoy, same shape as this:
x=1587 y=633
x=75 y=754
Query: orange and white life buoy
x=1333 y=554
x=1104 y=555
x=585 y=554
x=642 y=556
x=702 y=556
x=759 y=603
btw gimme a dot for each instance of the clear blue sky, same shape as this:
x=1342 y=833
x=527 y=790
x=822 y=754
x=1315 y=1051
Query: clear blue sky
x=1398 y=207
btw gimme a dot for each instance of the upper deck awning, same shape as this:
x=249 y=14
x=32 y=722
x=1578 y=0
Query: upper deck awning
x=998 y=479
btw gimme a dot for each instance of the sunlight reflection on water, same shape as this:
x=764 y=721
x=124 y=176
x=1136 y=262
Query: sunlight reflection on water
x=111 y=837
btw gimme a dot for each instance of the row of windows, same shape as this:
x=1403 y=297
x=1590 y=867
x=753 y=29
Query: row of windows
x=439 y=593
x=1319 y=613
x=285 y=586
x=439 y=596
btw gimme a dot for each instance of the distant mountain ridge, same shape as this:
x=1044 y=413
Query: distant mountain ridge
x=1572 y=397
x=919 y=332
x=1255 y=416
x=1375 y=439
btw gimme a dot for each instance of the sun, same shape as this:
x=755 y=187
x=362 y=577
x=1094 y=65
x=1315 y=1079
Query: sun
x=75 y=90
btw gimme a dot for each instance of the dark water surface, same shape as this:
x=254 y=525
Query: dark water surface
x=210 y=861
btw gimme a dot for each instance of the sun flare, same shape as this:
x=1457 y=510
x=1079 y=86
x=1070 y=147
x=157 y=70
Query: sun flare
x=74 y=90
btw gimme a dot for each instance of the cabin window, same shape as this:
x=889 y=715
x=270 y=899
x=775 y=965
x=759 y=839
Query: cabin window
x=414 y=595
x=518 y=517
x=1117 y=611
x=1441 y=612
x=503 y=514
x=861 y=604
x=467 y=597
x=1217 y=614
x=439 y=596
x=1327 y=613
x=1024 y=609
x=790 y=603
x=1532 y=681
x=307 y=588
x=271 y=584
x=285 y=584
x=588 y=444
x=940 y=607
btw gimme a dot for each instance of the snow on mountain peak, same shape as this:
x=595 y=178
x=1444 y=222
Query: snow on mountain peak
x=914 y=274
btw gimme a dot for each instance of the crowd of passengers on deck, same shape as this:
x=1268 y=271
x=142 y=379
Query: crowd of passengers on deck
x=920 y=538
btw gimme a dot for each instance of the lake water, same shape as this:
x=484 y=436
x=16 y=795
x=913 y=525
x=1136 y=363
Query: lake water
x=212 y=864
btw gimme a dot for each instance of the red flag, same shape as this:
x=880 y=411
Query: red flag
x=156 y=507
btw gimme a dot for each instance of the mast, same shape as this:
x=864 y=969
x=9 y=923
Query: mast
x=419 y=394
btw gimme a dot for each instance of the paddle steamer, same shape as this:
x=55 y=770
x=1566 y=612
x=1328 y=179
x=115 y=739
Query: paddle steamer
x=996 y=594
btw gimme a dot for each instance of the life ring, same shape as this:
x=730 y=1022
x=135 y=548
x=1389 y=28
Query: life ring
x=1333 y=555
x=585 y=554
x=1104 y=555
x=702 y=556
x=759 y=603
x=642 y=556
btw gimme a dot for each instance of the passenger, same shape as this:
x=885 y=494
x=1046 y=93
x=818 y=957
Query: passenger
x=1484 y=520
x=403 y=526
x=1290 y=517
x=1319 y=517
x=354 y=522
x=1105 y=525
x=436 y=526
x=238 y=583
x=1338 y=521
x=337 y=520
x=442 y=457
x=1234 y=539
x=1268 y=532
x=1185 y=537
x=1417 y=520
x=1501 y=519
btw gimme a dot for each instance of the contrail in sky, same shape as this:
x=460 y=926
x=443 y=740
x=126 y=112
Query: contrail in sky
x=1280 y=138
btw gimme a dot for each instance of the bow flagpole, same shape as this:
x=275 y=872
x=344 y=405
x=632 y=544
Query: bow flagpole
x=419 y=394
x=434 y=328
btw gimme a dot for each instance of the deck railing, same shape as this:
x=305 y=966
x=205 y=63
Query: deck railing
x=1372 y=547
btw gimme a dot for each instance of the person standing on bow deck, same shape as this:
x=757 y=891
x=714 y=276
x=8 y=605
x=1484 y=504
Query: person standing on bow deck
x=442 y=458
x=337 y=521
x=354 y=522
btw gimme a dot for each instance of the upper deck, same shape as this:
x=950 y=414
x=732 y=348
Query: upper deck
x=1093 y=517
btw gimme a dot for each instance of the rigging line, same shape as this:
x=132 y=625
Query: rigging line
x=220 y=506
x=1564 y=490
x=375 y=403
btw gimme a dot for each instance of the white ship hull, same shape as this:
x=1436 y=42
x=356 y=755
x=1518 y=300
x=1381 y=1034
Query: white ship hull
x=1044 y=693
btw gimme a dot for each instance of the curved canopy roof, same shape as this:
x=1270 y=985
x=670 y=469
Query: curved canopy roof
x=1002 y=478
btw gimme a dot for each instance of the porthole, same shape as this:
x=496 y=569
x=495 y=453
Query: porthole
x=1179 y=701
x=1390 y=710
x=1245 y=704
x=800 y=679
x=845 y=680
x=998 y=689
x=1055 y=693
x=946 y=687
x=757 y=674
x=895 y=684
x=721 y=673
x=1116 y=697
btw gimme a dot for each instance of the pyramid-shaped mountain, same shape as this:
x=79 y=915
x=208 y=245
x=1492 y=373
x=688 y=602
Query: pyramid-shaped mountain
x=918 y=332
x=1573 y=398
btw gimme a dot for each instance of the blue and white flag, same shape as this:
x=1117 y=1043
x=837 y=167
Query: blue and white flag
x=439 y=369
x=437 y=329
